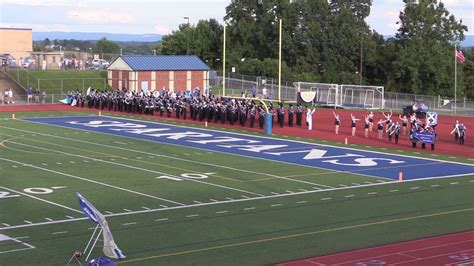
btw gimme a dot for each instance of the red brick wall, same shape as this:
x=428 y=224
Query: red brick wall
x=180 y=78
x=144 y=76
x=125 y=79
x=115 y=75
x=162 y=80
x=197 y=79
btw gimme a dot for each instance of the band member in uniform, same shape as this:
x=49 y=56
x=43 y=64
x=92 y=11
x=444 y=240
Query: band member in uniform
x=337 y=123
x=299 y=114
x=456 y=131
x=281 y=115
x=380 y=128
x=371 y=120
x=291 y=112
x=353 y=124
x=388 y=120
x=404 y=124
x=396 y=132
x=462 y=133
x=367 y=125
x=253 y=111
x=261 y=116
x=309 y=117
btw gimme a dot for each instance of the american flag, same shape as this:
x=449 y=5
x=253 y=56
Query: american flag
x=460 y=56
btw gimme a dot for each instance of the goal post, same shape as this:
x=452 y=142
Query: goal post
x=361 y=96
x=345 y=96
x=325 y=94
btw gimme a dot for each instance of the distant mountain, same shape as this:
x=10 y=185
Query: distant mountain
x=468 y=40
x=93 y=36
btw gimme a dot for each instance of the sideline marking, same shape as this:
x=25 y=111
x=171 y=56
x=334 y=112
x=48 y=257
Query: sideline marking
x=40 y=199
x=299 y=235
x=89 y=180
x=136 y=168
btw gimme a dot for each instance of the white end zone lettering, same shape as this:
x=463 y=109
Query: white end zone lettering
x=364 y=162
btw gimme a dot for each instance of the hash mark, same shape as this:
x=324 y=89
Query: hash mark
x=301 y=202
x=164 y=206
x=59 y=233
x=49 y=219
x=127 y=210
x=349 y=196
x=393 y=190
x=220 y=212
x=276 y=205
x=145 y=208
x=372 y=193
x=192 y=215
x=28 y=222
x=5 y=224
x=198 y=202
x=325 y=198
x=162 y=219
x=70 y=217
x=454 y=183
x=434 y=186
x=414 y=188
x=250 y=208
x=125 y=224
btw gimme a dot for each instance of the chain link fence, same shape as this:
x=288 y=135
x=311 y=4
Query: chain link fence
x=237 y=84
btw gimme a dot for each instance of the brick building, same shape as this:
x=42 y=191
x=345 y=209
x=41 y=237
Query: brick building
x=172 y=72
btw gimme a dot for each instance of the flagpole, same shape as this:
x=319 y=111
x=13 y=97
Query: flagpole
x=223 y=63
x=279 y=65
x=455 y=77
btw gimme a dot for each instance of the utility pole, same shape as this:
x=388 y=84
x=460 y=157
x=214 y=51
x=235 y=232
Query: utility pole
x=187 y=42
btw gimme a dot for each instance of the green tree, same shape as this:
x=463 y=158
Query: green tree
x=425 y=50
x=468 y=71
x=106 y=47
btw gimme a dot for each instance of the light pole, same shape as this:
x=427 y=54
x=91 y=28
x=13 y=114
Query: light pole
x=187 y=41
x=154 y=51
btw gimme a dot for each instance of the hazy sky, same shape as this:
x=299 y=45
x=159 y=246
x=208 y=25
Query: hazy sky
x=163 y=16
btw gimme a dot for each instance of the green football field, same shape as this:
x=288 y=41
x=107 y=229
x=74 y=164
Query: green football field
x=170 y=205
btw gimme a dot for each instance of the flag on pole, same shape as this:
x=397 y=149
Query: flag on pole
x=460 y=56
x=110 y=249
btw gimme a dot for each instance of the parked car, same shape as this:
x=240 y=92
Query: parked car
x=99 y=64
x=9 y=60
x=419 y=107
x=28 y=62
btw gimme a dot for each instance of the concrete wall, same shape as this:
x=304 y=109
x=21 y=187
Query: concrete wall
x=17 y=42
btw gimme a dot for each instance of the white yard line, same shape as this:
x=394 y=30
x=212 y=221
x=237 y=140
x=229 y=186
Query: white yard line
x=180 y=159
x=89 y=180
x=204 y=204
x=138 y=168
x=40 y=199
x=59 y=233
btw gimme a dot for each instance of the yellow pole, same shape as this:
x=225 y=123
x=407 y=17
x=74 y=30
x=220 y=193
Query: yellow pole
x=223 y=65
x=279 y=66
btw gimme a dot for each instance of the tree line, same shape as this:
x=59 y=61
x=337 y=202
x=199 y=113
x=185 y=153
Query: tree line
x=331 y=42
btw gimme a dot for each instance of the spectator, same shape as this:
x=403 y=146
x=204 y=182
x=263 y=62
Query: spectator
x=30 y=94
x=10 y=96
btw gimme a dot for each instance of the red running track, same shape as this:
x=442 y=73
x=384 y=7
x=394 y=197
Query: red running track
x=453 y=249
x=323 y=128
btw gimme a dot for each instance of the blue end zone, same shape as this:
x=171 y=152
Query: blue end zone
x=354 y=161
